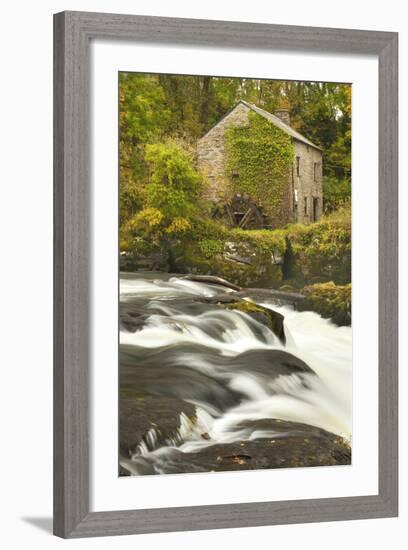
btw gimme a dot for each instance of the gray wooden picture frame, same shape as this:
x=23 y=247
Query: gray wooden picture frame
x=72 y=34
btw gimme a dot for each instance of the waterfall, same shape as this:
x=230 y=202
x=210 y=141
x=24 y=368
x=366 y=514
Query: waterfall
x=219 y=360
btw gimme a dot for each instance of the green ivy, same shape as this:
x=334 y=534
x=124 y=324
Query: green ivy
x=261 y=155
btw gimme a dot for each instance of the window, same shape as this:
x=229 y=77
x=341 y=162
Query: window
x=315 y=208
x=305 y=205
x=298 y=166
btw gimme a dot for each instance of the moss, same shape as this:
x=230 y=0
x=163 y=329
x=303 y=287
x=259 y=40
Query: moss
x=330 y=301
x=263 y=240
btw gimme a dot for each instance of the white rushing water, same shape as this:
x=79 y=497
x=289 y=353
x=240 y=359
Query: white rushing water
x=173 y=288
x=324 y=401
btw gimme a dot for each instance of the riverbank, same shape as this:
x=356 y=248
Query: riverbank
x=313 y=259
x=297 y=255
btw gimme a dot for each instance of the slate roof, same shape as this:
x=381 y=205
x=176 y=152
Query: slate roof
x=275 y=120
x=280 y=124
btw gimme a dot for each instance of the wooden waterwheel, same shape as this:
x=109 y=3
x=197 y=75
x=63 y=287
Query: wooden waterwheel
x=240 y=212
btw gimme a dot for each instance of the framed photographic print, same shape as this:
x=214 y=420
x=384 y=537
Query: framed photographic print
x=225 y=274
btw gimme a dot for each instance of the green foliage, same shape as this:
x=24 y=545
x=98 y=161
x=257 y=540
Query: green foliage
x=143 y=118
x=330 y=236
x=147 y=220
x=207 y=228
x=175 y=186
x=141 y=233
x=336 y=193
x=262 y=155
x=144 y=114
x=263 y=240
x=340 y=217
x=171 y=199
x=210 y=247
x=132 y=197
x=330 y=301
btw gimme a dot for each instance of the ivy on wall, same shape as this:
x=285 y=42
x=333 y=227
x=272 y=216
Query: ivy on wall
x=258 y=162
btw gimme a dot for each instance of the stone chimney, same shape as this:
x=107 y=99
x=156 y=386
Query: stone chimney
x=284 y=115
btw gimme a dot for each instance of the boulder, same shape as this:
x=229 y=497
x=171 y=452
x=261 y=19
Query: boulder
x=138 y=416
x=331 y=301
x=169 y=372
x=284 y=445
x=288 y=445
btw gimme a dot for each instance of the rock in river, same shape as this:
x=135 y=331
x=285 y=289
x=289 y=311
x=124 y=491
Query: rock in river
x=138 y=416
x=283 y=445
x=135 y=314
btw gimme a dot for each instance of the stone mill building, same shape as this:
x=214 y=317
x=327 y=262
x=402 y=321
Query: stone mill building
x=301 y=197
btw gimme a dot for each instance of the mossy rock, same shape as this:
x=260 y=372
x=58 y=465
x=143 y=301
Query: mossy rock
x=259 y=272
x=331 y=301
x=303 y=268
x=272 y=319
x=319 y=252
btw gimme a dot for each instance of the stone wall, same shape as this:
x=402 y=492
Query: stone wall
x=308 y=185
x=211 y=156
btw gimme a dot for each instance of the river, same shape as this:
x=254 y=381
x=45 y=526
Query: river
x=245 y=384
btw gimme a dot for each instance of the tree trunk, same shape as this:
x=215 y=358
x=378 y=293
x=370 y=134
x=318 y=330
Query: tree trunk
x=205 y=100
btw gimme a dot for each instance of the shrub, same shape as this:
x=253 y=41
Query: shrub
x=263 y=240
x=171 y=199
x=210 y=247
x=175 y=186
